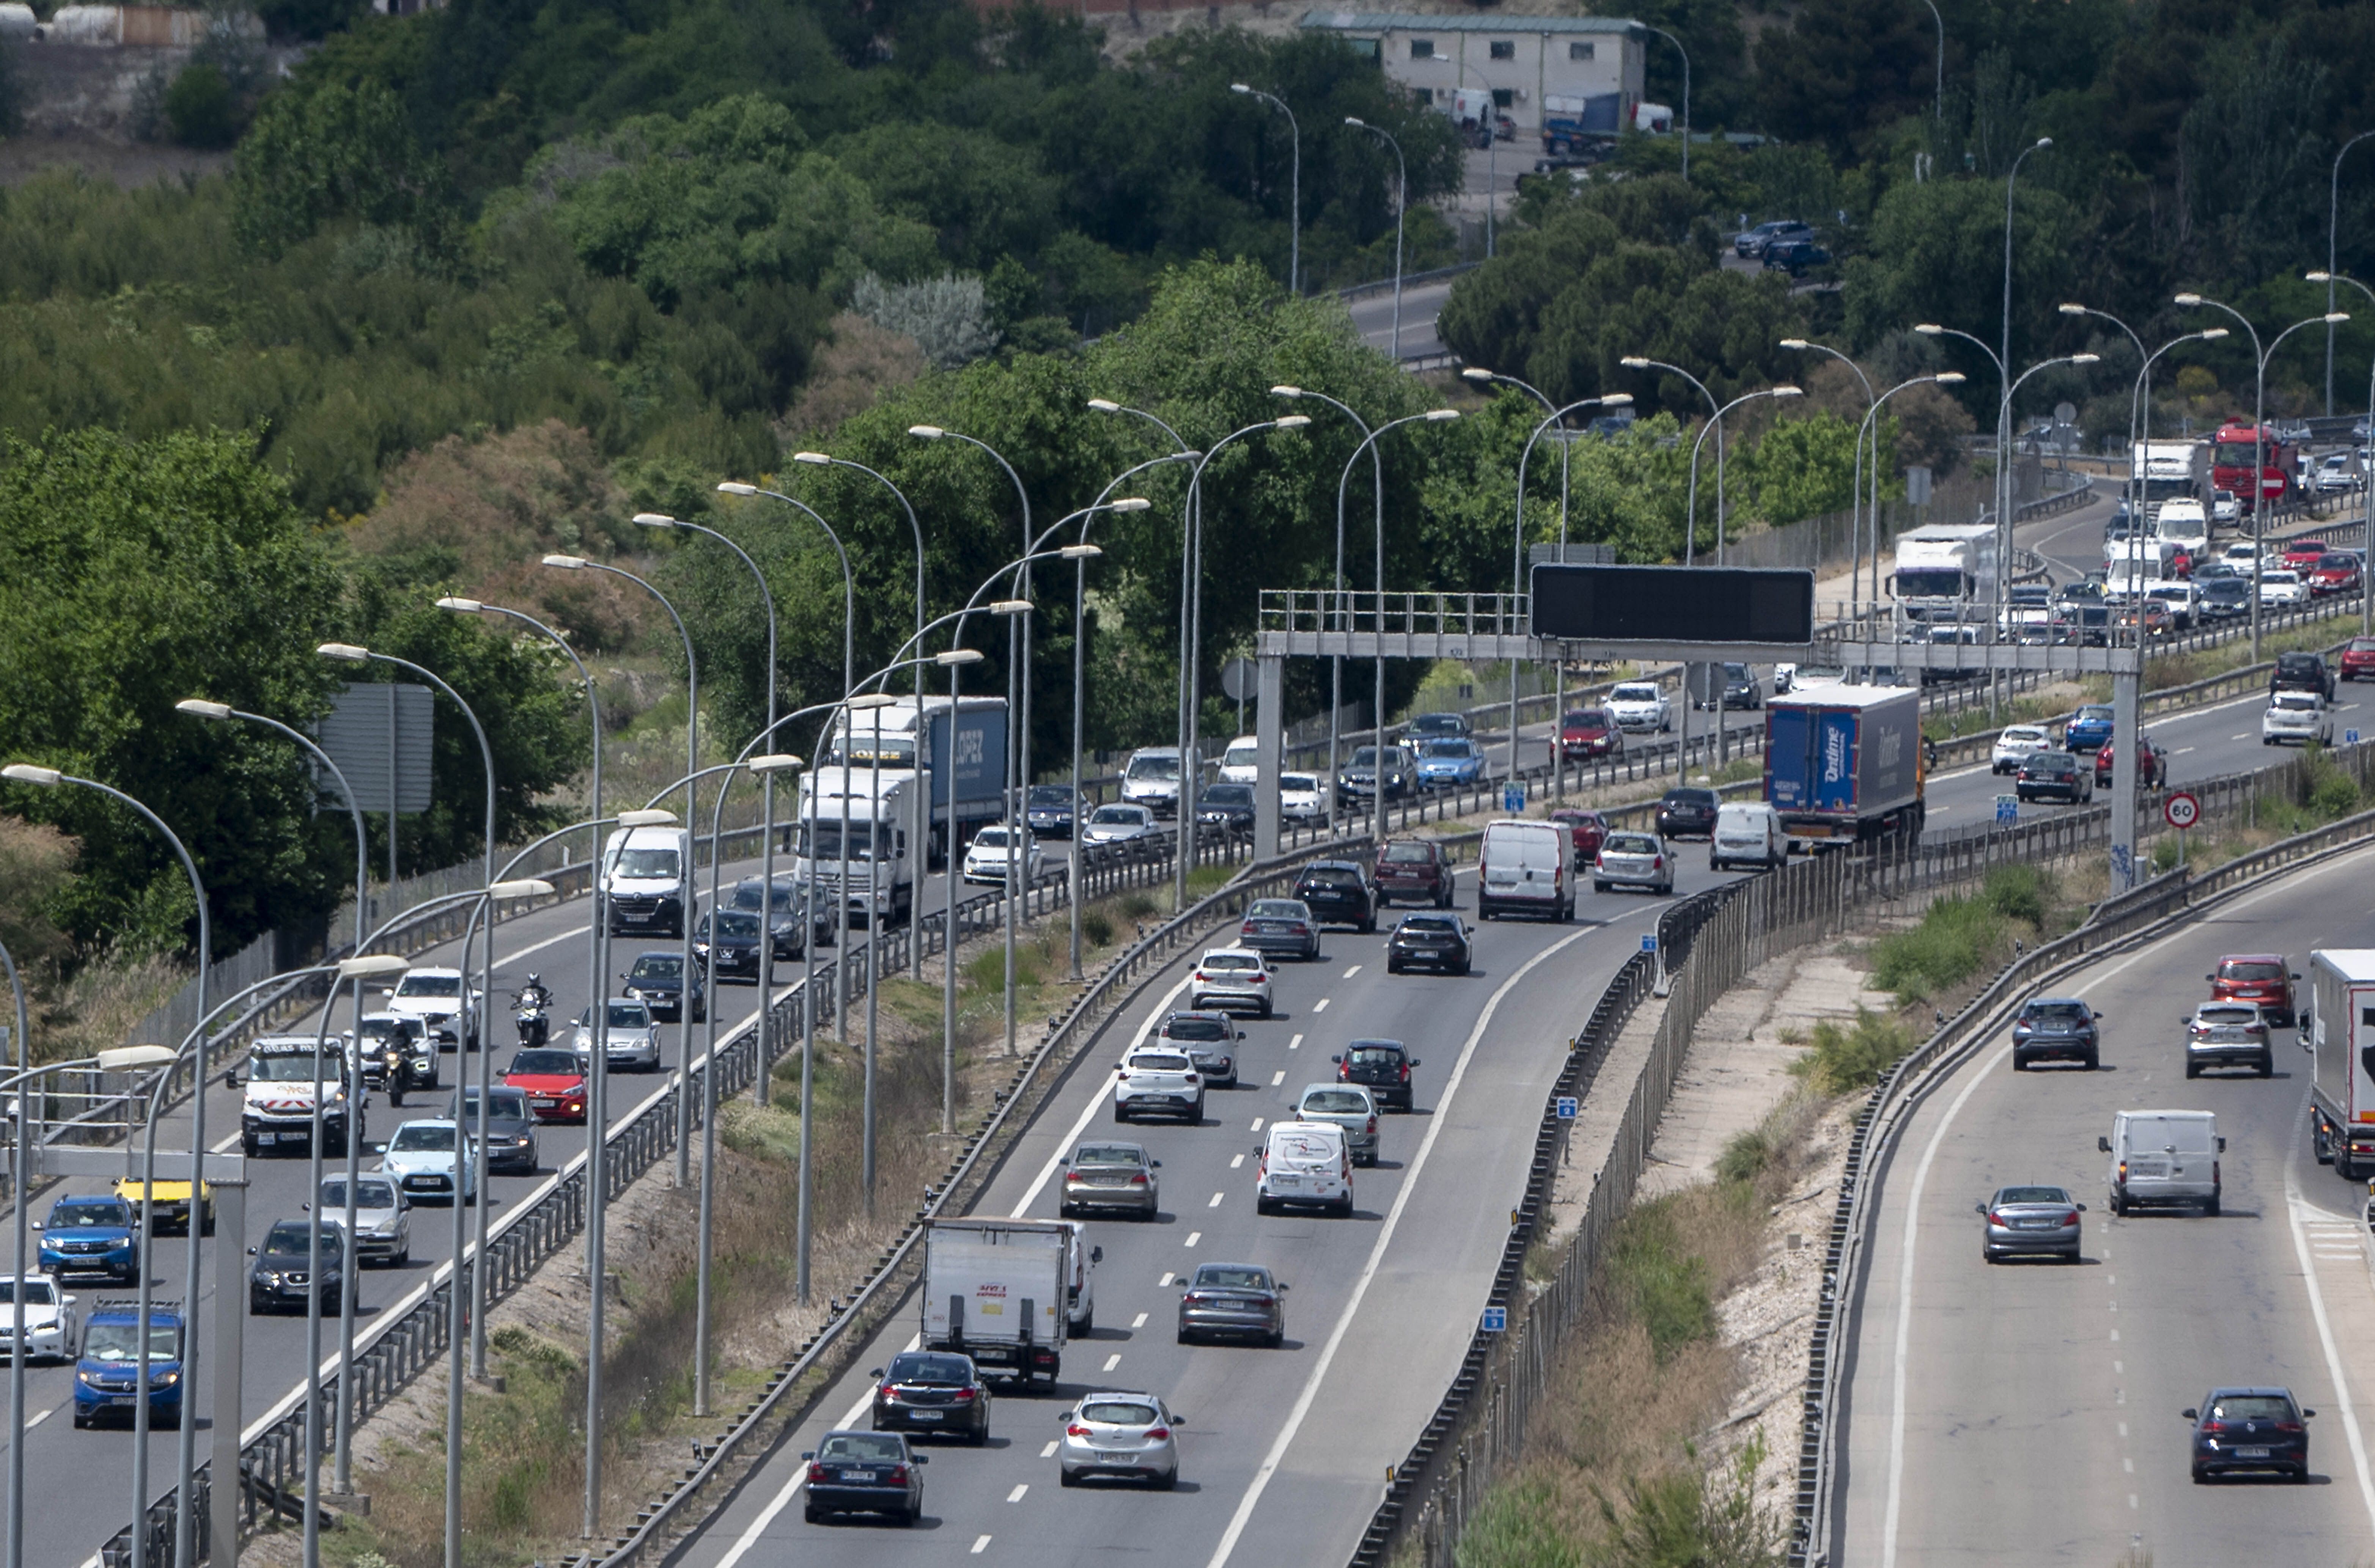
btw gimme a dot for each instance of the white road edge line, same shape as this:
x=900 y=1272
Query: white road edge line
x=2293 y=1203
x=1913 y=1214
x=1096 y=1102
x=782 y=1500
x=1285 y=1439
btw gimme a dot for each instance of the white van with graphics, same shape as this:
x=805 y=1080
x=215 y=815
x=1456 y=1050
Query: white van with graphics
x=1303 y=1163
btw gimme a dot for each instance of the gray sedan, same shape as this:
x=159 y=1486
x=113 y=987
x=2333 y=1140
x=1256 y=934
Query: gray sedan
x=634 y=1039
x=1110 y=1175
x=1119 y=824
x=511 y=1126
x=2024 y=1221
x=1280 y=928
x=1634 y=860
x=383 y=1218
x=1233 y=1299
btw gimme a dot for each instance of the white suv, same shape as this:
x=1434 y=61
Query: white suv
x=2297 y=716
x=434 y=997
x=1231 y=977
x=2016 y=743
x=1639 y=707
x=1158 y=1081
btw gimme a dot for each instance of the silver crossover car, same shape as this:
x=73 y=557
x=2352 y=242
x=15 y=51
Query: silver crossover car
x=383 y=1218
x=2229 y=1034
x=2020 y=1221
x=635 y=1039
x=1233 y=1299
x=1634 y=860
x=1110 y=1175
x=1123 y=1436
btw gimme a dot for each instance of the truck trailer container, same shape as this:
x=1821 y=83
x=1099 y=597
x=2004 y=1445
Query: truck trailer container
x=895 y=794
x=1000 y=1290
x=2338 y=1031
x=1844 y=763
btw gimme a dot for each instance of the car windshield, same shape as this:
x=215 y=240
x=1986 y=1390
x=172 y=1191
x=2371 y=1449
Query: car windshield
x=645 y=862
x=502 y=1103
x=1194 y=1026
x=1127 y=815
x=2093 y=713
x=383 y=1027
x=416 y=1137
x=2032 y=1195
x=1050 y=795
x=1154 y=767
x=1109 y=1154
x=1231 y=960
x=1633 y=694
x=1230 y=795
x=417 y=984
x=1277 y=909
x=2052 y=763
x=1690 y=797
x=38 y=1292
x=1437 y=724
x=623 y=1015
x=1336 y=1101
x=2025 y=733
x=1375 y=1055
x=735 y=923
x=1332 y=877
x=294 y=1066
x=296 y=1235
x=1158 y=1062
x=118 y=1342
x=2250 y=969
x=1451 y=749
x=1231 y=1276
x=1404 y=854
x=2250 y=1407
x=943 y=1371
x=990 y=838
x=2362 y=644
x=1364 y=757
x=1630 y=843
x=368 y=1195
x=1589 y=718
x=2279 y=577
x=864 y=1447
x=2227 y=1014
x=1429 y=922
x=658 y=966
x=2055 y=1010
x=1119 y=1413
x=562 y=1064
x=1299 y=783
x=73 y=1212
x=2296 y=701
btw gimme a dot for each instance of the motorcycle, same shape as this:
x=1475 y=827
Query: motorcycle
x=532 y=1018
x=398 y=1074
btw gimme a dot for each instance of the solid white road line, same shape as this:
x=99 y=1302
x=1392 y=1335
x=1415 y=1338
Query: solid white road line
x=2293 y=1203
x=783 y=1499
x=1285 y=1439
x=1098 y=1098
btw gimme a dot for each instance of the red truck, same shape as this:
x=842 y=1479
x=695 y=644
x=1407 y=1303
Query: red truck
x=2230 y=465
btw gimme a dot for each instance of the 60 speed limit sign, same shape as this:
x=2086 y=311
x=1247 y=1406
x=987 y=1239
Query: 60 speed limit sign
x=2182 y=810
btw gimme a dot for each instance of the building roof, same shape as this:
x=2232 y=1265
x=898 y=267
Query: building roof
x=1411 y=21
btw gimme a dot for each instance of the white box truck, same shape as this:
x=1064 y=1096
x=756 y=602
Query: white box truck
x=2338 y=1031
x=895 y=805
x=1946 y=572
x=1000 y=1290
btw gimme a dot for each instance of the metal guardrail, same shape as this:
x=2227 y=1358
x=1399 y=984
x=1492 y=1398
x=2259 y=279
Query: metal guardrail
x=411 y=1336
x=2136 y=915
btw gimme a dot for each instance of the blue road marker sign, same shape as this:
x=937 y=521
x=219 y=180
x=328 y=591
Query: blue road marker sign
x=1567 y=1107
x=1649 y=941
x=1513 y=797
x=1496 y=1320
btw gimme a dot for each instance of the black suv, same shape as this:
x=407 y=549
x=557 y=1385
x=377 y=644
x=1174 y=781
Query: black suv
x=1687 y=814
x=1227 y=806
x=1338 y=893
x=1381 y=1066
x=2303 y=672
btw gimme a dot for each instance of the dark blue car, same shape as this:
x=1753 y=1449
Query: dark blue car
x=107 y=1373
x=2089 y=728
x=91 y=1235
x=2249 y=1430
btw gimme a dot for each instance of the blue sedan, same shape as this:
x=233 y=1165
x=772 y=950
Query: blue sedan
x=1447 y=763
x=2089 y=728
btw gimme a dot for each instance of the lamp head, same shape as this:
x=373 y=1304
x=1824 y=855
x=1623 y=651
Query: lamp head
x=1082 y=552
x=1441 y=415
x=736 y=486
x=566 y=563
x=349 y=652
x=655 y=520
x=1797 y=343
x=522 y=887
x=1616 y=400
x=813 y=459
x=957 y=656
x=773 y=763
x=27 y=773
x=127 y=1058
x=926 y=432
x=371 y=966
x=1131 y=503
x=2211 y=334
x=461 y=606
x=1929 y=328
x=1292 y=422
x=1284 y=391
x=1950 y=378
x=865 y=700
x=1104 y=405
x=1356 y=119
x=1239 y=87
x=2189 y=301
x=2072 y=309
x=1633 y=362
x=1476 y=374
x=2045 y=141
x=2334 y=318
x=2085 y=359
x=1009 y=606
x=198 y=707
x=1786 y=392
x=647 y=817
x=2319 y=277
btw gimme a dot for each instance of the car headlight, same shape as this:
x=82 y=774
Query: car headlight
x=163 y=1380
x=88 y=1379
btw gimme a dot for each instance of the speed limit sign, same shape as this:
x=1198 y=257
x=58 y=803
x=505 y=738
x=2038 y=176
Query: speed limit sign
x=2182 y=810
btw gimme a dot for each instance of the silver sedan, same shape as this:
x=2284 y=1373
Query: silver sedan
x=635 y=1039
x=1122 y=1436
x=2029 y=1222
x=1119 y=824
x=1111 y=1176
x=1634 y=860
x=1347 y=1105
x=383 y=1218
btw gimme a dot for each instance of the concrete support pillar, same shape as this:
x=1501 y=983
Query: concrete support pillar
x=1270 y=747
x=2127 y=693
x=231 y=1327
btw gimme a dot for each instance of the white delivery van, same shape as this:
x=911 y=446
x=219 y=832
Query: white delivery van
x=1303 y=1163
x=1523 y=868
x=2164 y=1157
x=1237 y=765
x=1747 y=832
x=645 y=880
x=2185 y=525
x=1082 y=1296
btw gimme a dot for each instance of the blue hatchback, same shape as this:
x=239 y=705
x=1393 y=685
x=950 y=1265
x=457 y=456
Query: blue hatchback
x=1446 y=763
x=107 y=1373
x=91 y=1235
x=2089 y=728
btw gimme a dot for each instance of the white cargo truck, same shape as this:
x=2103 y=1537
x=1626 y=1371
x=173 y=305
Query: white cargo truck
x=1944 y=570
x=2338 y=1031
x=899 y=821
x=1000 y=1290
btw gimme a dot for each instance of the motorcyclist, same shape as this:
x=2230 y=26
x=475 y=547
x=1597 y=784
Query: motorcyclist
x=532 y=1002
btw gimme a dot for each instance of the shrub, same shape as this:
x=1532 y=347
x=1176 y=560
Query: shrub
x=1096 y=927
x=1745 y=1156
x=1946 y=948
x=201 y=107
x=2019 y=892
x=1845 y=1059
x=1659 y=1278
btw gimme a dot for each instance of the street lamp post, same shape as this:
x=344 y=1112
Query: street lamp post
x=1336 y=663
x=1401 y=207
x=2004 y=361
x=1690 y=546
x=1691 y=507
x=1941 y=89
x=1518 y=556
x=2365 y=588
x=2003 y=460
x=2332 y=262
x=1294 y=186
x=1855 y=496
x=1686 y=53
x=1871 y=422
x=185 y=1540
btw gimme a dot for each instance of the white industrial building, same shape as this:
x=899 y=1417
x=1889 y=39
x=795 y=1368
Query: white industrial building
x=1592 y=64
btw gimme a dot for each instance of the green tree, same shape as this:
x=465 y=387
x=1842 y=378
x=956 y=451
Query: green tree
x=132 y=575
x=1844 y=69
x=1936 y=254
x=201 y=107
x=1803 y=467
x=331 y=154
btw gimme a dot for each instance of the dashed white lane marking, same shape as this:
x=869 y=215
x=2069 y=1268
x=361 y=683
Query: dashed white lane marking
x=1275 y=1079
x=1235 y=1161
x=1295 y=1043
x=1216 y=1200
x=1352 y=972
x=1137 y=1322
x=1193 y=1237
x=35 y=1420
x=1016 y=1495
x=1320 y=1005
x=1165 y=1283
x=1048 y=1452
x=1257 y=1122
x=981 y=1543
x=1113 y=1361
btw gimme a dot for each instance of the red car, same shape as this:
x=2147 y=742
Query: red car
x=554 y=1081
x=2358 y=659
x=1416 y=870
x=1589 y=830
x=2152 y=765
x=2264 y=978
x=2301 y=555
x=2334 y=573
x=1589 y=732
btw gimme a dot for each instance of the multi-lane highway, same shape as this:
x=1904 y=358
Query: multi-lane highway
x=2028 y=1412
x=1284 y=1451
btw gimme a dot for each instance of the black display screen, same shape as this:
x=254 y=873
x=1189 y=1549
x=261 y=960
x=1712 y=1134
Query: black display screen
x=1673 y=604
